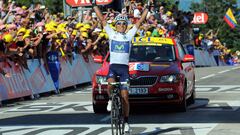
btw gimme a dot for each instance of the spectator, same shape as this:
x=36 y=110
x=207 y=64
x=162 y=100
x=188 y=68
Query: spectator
x=216 y=54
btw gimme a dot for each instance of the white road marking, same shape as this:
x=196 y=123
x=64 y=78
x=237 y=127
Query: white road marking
x=103 y=129
x=218 y=88
x=235 y=68
x=224 y=71
x=214 y=105
x=208 y=76
x=52 y=107
x=75 y=107
x=86 y=106
x=82 y=92
x=212 y=75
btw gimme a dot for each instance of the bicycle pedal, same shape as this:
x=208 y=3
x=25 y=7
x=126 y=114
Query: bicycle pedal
x=128 y=132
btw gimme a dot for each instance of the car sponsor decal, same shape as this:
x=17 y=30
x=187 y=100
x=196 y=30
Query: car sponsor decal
x=139 y=67
x=152 y=40
x=161 y=65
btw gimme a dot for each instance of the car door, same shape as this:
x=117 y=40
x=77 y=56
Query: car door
x=188 y=67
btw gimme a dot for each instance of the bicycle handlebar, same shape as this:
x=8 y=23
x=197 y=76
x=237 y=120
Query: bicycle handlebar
x=114 y=83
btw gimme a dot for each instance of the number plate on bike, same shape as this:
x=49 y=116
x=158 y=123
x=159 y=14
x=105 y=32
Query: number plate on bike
x=138 y=91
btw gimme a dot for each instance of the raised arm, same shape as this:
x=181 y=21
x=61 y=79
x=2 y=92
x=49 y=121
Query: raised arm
x=98 y=13
x=144 y=14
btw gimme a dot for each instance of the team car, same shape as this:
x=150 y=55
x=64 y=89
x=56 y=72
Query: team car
x=160 y=72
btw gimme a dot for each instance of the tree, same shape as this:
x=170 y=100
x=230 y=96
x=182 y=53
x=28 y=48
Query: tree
x=166 y=3
x=216 y=10
x=53 y=5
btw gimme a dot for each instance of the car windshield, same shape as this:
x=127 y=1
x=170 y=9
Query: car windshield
x=163 y=53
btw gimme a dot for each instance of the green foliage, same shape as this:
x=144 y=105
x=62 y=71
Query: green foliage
x=169 y=3
x=53 y=5
x=24 y=2
x=216 y=10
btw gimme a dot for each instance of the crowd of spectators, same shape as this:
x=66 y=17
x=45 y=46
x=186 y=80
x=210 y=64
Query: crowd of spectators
x=210 y=42
x=31 y=32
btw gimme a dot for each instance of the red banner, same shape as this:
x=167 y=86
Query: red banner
x=82 y=3
x=200 y=18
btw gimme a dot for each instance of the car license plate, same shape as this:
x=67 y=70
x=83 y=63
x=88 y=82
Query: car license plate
x=138 y=91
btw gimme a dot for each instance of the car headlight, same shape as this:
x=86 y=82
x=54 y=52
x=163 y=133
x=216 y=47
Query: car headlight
x=101 y=79
x=169 y=78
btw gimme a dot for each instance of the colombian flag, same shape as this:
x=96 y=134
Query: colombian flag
x=230 y=19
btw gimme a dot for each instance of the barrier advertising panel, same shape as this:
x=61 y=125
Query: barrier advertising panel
x=38 y=78
x=15 y=86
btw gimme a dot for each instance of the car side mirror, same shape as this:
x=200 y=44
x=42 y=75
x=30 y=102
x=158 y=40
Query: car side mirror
x=188 y=58
x=98 y=59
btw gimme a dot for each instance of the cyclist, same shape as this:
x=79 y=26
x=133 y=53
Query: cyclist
x=119 y=47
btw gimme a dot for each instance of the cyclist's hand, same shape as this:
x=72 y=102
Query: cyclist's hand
x=93 y=2
x=148 y=4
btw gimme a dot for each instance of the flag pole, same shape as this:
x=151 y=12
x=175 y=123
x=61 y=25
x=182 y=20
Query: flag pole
x=220 y=25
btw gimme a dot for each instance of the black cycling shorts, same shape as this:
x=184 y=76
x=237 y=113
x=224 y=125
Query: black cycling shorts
x=119 y=70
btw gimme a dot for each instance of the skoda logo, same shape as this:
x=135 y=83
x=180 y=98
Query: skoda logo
x=134 y=76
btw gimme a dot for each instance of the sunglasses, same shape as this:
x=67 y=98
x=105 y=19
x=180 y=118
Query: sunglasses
x=19 y=35
x=121 y=23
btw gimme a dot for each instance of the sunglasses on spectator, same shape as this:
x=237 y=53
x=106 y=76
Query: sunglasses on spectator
x=20 y=35
x=121 y=23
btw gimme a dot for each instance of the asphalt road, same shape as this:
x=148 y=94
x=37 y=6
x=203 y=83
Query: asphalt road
x=216 y=111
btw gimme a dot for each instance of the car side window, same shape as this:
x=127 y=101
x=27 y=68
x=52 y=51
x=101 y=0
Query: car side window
x=181 y=51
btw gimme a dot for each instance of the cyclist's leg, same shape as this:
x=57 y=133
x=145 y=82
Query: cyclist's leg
x=110 y=87
x=111 y=78
x=124 y=92
x=126 y=106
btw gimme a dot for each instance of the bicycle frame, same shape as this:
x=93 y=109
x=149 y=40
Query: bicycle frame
x=117 y=121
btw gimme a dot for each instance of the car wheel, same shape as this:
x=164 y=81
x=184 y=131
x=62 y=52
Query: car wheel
x=191 y=99
x=183 y=105
x=99 y=108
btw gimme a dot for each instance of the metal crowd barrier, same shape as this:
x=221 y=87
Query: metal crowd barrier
x=25 y=83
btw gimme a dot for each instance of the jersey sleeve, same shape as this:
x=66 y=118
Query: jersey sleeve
x=109 y=30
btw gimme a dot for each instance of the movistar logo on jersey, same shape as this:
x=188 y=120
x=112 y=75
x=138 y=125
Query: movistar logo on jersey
x=120 y=46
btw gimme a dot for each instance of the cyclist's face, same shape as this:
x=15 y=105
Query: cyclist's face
x=121 y=26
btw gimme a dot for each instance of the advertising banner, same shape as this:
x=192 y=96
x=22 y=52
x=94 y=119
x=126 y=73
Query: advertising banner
x=27 y=83
x=75 y=73
x=200 y=18
x=82 y=3
x=16 y=86
x=39 y=80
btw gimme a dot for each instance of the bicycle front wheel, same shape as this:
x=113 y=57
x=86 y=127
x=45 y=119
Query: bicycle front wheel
x=116 y=123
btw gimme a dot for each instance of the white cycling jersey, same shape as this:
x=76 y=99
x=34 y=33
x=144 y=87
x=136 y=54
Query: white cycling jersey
x=120 y=45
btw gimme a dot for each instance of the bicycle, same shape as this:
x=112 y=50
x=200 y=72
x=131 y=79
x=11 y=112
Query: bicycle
x=117 y=121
